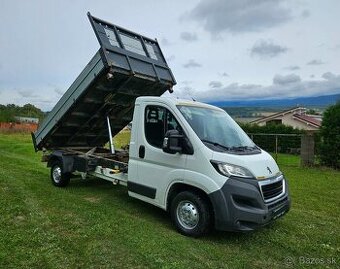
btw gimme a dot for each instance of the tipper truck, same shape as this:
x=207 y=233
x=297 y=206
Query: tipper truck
x=186 y=157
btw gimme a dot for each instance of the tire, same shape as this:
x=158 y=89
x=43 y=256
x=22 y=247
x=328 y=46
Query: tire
x=58 y=177
x=191 y=214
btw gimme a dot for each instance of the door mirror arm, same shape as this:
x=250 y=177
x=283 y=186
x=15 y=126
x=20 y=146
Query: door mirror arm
x=172 y=142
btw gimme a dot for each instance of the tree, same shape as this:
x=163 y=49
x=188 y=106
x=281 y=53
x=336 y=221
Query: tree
x=8 y=112
x=330 y=135
x=268 y=143
x=312 y=112
x=5 y=114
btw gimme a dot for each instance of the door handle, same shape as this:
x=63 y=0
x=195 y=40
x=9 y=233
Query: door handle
x=141 y=151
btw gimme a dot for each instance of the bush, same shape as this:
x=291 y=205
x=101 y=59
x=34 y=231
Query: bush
x=330 y=137
x=8 y=112
x=285 y=143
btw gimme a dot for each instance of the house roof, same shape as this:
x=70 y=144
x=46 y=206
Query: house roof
x=296 y=114
x=27 y=119
x=307 y=119
x=281 y=113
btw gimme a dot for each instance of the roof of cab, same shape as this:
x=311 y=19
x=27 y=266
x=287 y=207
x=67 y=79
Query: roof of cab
x=175 y=101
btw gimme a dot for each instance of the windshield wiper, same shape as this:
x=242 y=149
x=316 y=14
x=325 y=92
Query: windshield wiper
x=215 y=144
x=243 y=148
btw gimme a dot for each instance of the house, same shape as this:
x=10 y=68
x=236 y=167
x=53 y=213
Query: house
x=295 y=117
x=26 y=119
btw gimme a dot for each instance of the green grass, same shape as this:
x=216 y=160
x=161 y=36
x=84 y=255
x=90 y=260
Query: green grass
x=93 y=224
x=122 y=139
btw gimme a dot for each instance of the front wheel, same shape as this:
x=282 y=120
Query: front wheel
x=58 y=176
x=190 y=214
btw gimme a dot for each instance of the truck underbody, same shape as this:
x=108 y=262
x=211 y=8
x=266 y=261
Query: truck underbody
x=98 y=162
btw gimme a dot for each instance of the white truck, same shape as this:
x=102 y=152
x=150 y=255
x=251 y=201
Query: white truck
x=185 y=157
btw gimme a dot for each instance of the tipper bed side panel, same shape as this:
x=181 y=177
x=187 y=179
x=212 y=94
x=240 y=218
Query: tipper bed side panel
x=68 y=100
x=108 y=86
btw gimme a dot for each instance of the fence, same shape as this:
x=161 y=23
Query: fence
x=13 y=127
x=301 y=145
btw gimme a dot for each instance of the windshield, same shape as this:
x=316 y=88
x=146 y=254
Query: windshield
x=217 y=129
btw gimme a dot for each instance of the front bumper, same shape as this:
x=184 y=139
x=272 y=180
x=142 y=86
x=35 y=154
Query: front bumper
x=239 y=205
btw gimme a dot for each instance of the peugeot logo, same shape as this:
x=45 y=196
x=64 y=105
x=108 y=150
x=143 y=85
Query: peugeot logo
x=270 y=171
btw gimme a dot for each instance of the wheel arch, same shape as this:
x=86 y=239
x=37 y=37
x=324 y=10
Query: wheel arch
x=66 y=161
x=178 y=187
x=53 y=159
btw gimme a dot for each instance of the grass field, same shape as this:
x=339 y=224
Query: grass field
x=93 y=224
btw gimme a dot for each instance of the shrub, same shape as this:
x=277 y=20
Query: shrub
x=330 y=137
x=285 y=143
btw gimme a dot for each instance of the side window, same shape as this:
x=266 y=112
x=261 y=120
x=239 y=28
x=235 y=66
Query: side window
x=158 y=120
x=171 y=122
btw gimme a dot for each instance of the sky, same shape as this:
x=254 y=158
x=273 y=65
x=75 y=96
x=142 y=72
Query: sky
x=217 y=49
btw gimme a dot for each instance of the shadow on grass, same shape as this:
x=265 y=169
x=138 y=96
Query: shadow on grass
x=90 y=182
x=152 y=213
x=106 y=189
x=238 y=237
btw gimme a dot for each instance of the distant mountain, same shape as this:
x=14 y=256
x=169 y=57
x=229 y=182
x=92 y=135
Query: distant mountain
x=315 y=101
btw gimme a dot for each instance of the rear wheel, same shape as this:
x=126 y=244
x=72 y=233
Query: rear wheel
x=190 y=214
x=58 y=176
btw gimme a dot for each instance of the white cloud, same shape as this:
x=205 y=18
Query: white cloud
x=30 y=96
x=288 y=79
x=305 y=13
x=166 y=42
x=187 y=92
x=170 y=58
x=215 y=84
x=224 y=74
x=59 y=91
x=282 y=87
x=57 y=50
x=190 y=37
x=27 y=93
x=292 y=67
x=336 y=47
x=265 y=49
x=237 y=16
x=329 y=76
x=191 y=64
x=187 y=82
x=315 y=62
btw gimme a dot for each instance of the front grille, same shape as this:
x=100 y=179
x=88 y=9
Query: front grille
x=277 y=204
x=272 y=190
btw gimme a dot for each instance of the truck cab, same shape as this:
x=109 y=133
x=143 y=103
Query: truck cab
x=193 y=160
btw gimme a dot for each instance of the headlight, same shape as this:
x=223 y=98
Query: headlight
x=228 y=170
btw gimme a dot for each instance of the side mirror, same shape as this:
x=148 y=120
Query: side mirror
x=172 y=142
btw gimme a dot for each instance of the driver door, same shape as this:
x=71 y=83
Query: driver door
x=156 y=169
